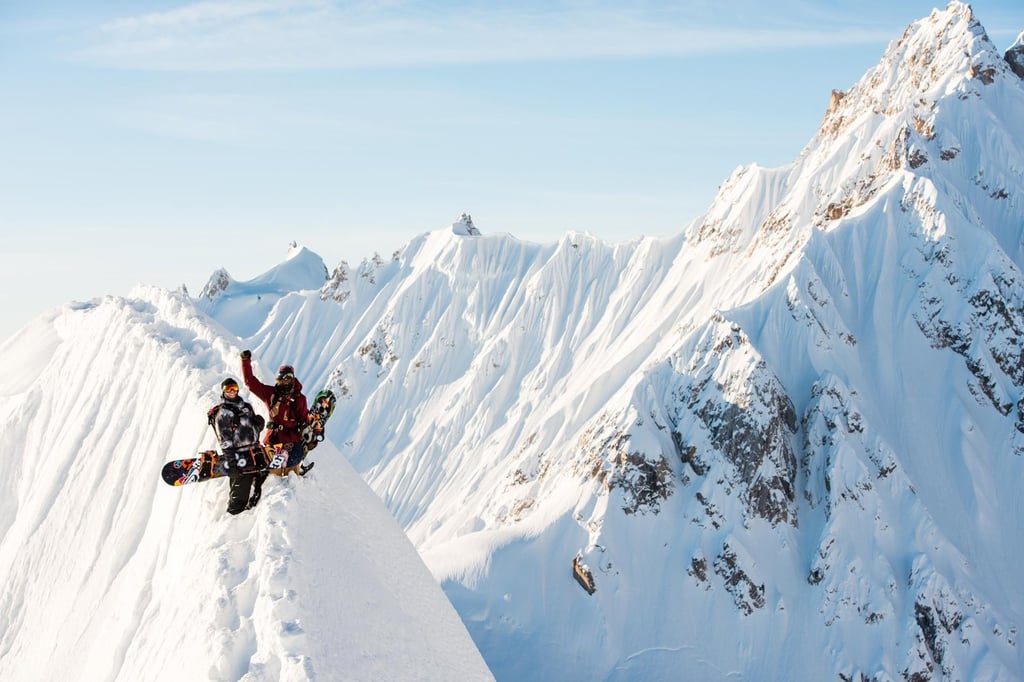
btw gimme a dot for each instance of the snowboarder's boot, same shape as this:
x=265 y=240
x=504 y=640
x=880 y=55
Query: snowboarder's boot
x=257 y=492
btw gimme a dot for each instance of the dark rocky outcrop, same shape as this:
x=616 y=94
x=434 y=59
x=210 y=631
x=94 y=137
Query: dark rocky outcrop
x=1015 y=57
x=747 y=420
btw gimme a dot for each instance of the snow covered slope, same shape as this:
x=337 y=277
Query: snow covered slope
x=788 y=439
x=108 y=574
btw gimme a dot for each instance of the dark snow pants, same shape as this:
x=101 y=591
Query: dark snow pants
x=239 y=498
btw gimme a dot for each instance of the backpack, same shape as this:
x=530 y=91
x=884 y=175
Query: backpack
x=258 y=421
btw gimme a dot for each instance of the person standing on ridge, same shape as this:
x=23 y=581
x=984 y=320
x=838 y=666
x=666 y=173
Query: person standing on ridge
x=288 y=415
x=237 y=427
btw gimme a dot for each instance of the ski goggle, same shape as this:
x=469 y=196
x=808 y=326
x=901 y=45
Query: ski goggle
x=285 y=377
x=231 y=388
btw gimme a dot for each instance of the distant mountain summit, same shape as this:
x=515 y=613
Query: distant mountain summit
x=946 y=53
x=1015 y=56
x=242 y=306
x=464 y=226
x=218 y=283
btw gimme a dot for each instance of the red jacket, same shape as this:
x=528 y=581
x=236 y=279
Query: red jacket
x=288 y=412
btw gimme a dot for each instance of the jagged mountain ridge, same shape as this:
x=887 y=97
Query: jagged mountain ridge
x=785 y=442
x=832 y=347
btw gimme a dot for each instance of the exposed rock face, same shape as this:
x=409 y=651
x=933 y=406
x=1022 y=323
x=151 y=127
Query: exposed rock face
x=834 y=100
x=730 y=409
x=746 y=594
x=831 y=420
x=380 y=347
x=216 y=285
x=857 y=479
x=1015 y=56
x=464 y=226
x=990 y=337
x=340 y=284
x=643 y=479
x=337 y=287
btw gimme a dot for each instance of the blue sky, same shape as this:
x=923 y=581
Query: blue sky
x=155 y=141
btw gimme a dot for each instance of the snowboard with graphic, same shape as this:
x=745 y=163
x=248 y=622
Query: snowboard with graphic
x=212 y=464
x=319 y=412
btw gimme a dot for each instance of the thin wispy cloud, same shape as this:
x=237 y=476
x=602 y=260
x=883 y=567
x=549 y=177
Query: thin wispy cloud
x=203 y=14
x=320 y=34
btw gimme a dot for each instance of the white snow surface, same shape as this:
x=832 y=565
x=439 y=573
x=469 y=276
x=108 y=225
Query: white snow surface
x=109 y=574
x=786 y=443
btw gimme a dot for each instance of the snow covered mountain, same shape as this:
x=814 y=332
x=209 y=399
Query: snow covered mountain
x=240 y=305
x=108 y=574
x=785 y=443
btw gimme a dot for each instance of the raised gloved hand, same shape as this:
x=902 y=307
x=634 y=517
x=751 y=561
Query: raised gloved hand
x=246 y=354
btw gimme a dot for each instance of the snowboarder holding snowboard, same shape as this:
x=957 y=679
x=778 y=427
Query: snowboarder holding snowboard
x=238 y=430
x=288 y=411
x=295 y=431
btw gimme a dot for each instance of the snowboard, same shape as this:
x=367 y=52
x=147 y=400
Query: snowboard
x=211 y=464
x=319 y=412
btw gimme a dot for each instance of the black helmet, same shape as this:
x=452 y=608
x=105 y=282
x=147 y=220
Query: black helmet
x=224 y=385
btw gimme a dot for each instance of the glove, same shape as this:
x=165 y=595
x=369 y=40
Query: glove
x=259 y=422
x=246 y=354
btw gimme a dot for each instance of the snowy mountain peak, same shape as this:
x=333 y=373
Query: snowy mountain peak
x=243 y=306
x=309 y=260
x=219 y=281
x=911 y=118
x=946 y=52
x=1015 y=56
x=463 y=226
